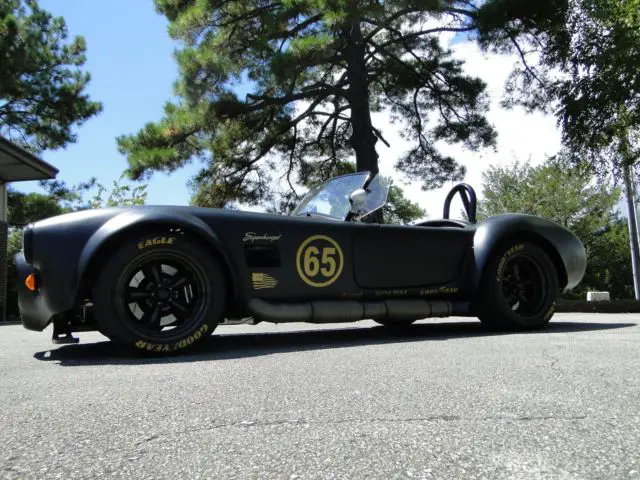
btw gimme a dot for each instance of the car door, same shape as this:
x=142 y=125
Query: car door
x=396 y=256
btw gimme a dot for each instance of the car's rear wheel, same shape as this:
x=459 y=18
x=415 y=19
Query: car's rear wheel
x=161 y=292
x=519 y=288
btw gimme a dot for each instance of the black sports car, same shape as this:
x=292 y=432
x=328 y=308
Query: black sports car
x=160 y=278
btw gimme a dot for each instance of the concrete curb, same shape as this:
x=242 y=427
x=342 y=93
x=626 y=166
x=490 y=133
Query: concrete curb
x=11 y=322
x=613 y=306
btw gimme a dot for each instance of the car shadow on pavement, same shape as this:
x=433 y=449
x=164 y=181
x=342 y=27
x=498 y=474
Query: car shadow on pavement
x=244 y=345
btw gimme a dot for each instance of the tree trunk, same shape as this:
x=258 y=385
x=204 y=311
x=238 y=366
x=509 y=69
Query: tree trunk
x=633 y=230
x=363 y=139
x=634 y=184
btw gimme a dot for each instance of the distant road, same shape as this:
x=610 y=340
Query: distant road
x=446 y=400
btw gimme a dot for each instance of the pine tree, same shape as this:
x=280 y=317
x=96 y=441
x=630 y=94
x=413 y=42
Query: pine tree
x=42 y=89
x=316 y=71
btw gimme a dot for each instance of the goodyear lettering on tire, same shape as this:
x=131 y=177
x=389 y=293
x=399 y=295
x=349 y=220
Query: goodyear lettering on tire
x=505 y=257
x=180 y=344
x=550 y=313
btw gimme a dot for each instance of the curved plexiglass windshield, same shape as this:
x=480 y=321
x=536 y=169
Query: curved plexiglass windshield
x=377 y=193
x=331 y=199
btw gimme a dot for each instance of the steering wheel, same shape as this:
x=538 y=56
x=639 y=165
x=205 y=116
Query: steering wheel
x=468 y=196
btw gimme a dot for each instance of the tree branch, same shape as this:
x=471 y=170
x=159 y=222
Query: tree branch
x=291 y=159
x=524 y=62
x=379 y=136
x=388 y=20
x=266 y=101
x=274 y=138
x=298 y=28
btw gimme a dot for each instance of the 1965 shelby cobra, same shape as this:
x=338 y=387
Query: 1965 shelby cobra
x=161 y=278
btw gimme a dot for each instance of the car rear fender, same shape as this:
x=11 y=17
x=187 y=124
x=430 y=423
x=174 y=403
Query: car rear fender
x=128 y=224
x=565 y=249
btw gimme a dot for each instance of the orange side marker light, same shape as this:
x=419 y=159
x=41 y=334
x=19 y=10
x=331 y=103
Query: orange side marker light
x=30 y=282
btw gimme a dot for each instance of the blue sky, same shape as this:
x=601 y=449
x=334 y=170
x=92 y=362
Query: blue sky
x=129 y=55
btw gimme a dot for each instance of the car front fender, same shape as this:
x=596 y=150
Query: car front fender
x=118 y=227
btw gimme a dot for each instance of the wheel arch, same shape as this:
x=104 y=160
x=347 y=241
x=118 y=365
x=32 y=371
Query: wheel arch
x=94 y=256
x=564 y=249
x=537 y=239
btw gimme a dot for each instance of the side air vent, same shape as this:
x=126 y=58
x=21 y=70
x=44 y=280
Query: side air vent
x=262 y=255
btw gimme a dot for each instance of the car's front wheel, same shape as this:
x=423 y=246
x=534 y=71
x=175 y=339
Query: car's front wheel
x=160 y=292
x=519 y=288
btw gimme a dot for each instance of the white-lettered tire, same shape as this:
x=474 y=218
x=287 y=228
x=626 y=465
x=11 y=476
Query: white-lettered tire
x=161 y=292
x=519 y=288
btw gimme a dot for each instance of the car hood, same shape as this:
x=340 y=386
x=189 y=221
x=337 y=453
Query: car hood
x=92 y=217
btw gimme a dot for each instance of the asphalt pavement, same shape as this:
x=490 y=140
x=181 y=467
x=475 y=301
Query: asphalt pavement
x=444 y=400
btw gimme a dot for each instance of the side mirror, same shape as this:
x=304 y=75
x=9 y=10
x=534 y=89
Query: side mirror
x=357 y=199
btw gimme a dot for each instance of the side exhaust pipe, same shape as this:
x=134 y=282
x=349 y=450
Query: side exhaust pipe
x=338 y=311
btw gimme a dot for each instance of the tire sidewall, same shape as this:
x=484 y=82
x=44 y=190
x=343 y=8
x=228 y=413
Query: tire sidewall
x=492 y=296
x=118 y=326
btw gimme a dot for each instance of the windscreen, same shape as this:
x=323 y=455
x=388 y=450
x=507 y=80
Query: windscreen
x=331 y=199
x=377 y=193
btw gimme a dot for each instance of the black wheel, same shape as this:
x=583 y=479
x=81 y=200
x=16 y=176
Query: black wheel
x=519 y=288
x=160 y=293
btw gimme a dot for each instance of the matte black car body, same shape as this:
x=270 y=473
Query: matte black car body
x=262 y=259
